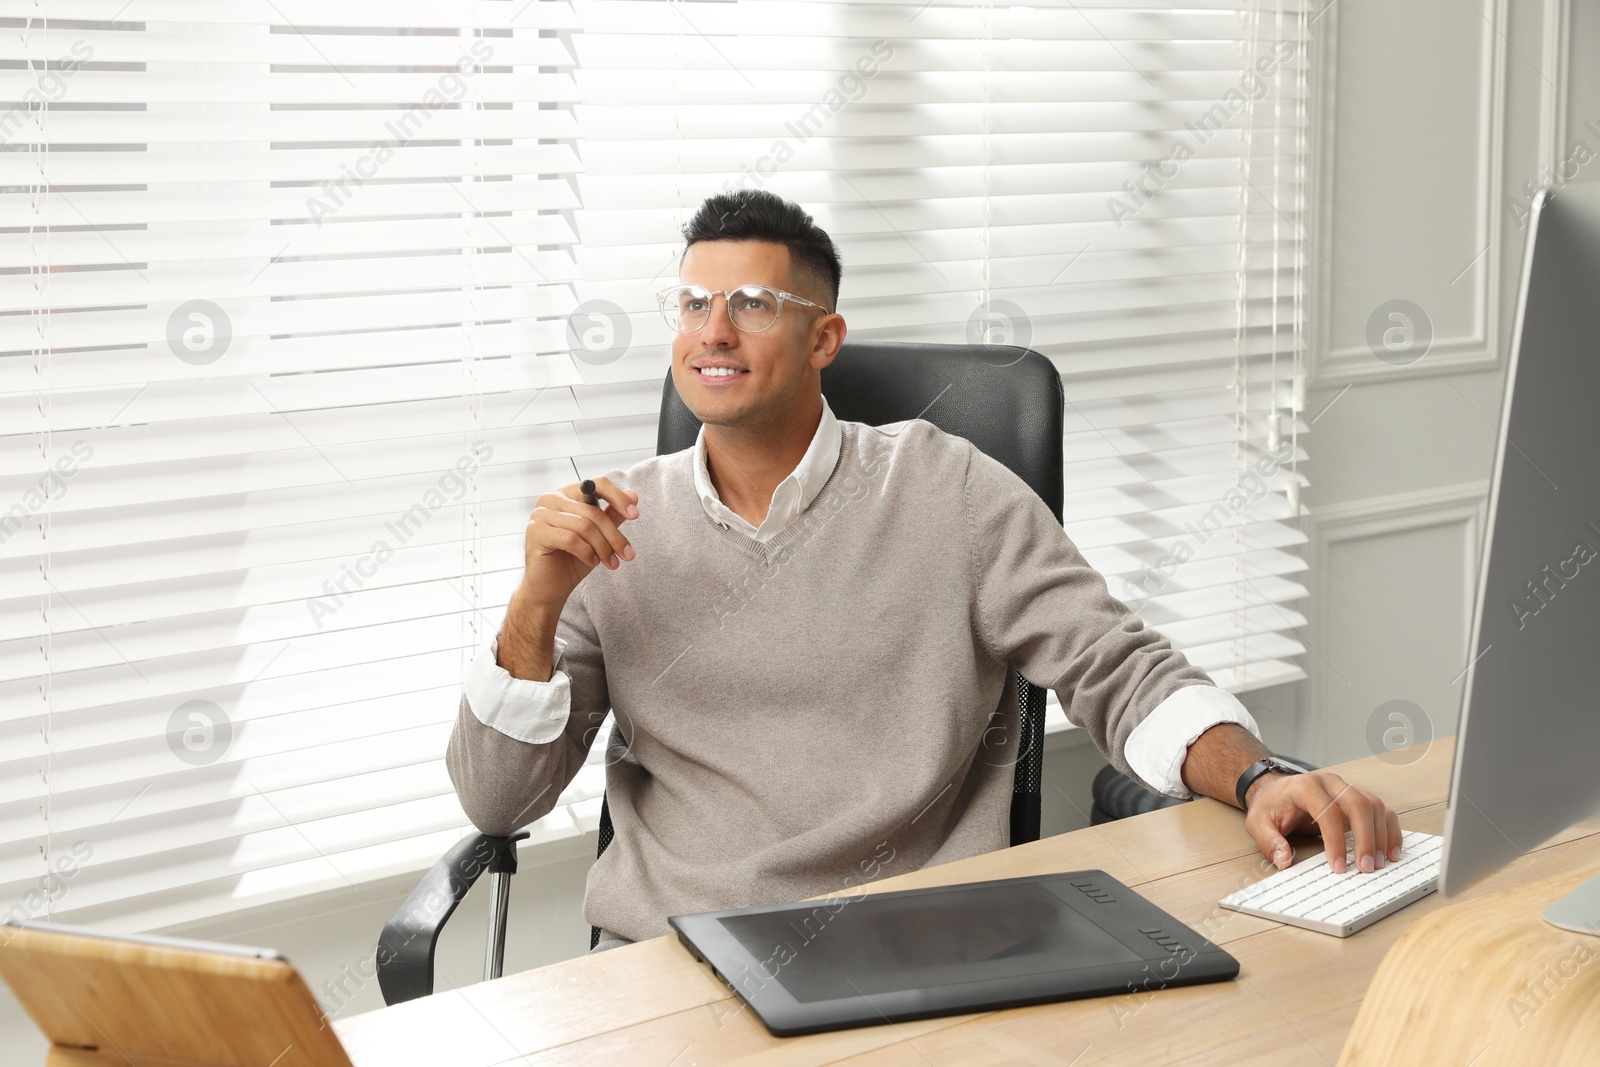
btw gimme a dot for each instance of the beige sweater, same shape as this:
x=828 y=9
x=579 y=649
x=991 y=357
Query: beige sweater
x=830 y=707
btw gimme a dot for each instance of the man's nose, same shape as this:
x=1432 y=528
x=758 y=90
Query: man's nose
x=719 y=331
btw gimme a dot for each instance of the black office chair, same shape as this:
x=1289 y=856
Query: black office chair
x=1008 y=401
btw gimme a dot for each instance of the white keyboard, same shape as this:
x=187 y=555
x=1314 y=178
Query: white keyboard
x=1310 y=895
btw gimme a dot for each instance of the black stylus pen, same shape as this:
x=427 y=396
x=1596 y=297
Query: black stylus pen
x=586 y=487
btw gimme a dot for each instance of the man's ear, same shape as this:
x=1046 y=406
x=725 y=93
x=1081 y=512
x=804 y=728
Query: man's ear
x=826 y=337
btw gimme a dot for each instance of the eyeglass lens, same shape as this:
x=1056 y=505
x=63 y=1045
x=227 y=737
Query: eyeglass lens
x=753 y=308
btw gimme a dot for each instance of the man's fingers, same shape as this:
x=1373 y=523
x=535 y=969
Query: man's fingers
x=1358 y=810
x=1274 y=846
x=1374 y=830
x=1330 y=819
x=579 y=535
x=1370 y=827
x=1269 y=836
x=1382 y=837
x=624 y=502
x=602 y=519
x=1337 y=808
x=621 y=505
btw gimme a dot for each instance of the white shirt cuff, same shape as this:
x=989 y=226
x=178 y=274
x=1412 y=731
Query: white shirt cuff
x=1159 y=744
x=535 y=712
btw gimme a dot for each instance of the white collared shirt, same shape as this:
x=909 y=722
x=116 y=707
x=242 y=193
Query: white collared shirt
x=793 y=495
x=536 y=712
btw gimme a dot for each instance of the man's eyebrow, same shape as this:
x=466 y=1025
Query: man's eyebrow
x=747 y=281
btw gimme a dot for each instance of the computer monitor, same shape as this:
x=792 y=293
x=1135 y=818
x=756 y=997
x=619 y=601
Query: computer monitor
x=1527 y=756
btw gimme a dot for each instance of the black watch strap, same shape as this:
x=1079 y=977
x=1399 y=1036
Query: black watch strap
x=1256 y=770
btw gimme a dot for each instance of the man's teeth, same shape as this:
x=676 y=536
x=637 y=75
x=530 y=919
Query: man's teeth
x=720 y=372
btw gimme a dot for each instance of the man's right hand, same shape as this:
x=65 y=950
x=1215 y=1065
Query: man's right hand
x=567 y=538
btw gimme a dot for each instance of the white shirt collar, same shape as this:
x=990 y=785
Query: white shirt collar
x=793 y=495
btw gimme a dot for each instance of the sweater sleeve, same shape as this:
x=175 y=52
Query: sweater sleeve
x=1043 y=609
x=518 y=743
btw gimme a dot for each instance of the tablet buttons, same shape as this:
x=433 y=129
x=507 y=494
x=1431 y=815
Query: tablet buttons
x=1164 y=939
x=1093 y=891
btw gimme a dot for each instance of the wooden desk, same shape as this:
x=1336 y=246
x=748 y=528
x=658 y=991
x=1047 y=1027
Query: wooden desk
x=1294 y=1001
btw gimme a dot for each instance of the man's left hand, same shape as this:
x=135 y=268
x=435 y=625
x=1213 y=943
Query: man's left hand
x=1283 y=804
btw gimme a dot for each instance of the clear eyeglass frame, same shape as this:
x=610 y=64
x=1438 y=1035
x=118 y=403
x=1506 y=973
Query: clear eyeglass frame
x=675 y=316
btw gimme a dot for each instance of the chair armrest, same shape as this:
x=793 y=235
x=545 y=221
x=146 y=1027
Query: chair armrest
x=406 y=946
x=1117 y=796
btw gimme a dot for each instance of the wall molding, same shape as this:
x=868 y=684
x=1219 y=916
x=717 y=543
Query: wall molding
x=1463 y=504
x=1476 y=352
x=1394 y=505
x=1554 y=60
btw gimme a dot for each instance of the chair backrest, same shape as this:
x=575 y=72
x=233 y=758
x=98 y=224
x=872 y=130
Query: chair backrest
x=1008 y=401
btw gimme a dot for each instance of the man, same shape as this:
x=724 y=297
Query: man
x=809 y=625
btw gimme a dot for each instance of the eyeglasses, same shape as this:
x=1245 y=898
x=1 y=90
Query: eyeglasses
x=751 y=308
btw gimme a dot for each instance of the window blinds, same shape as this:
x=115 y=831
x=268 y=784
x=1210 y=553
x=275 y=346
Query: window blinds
x=1118 y=184
x=307 y=303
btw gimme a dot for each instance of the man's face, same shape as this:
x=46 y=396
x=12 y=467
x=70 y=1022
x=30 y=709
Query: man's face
x=774 y=362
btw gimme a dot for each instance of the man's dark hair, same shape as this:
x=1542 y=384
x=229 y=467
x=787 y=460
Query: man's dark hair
x=759 y=215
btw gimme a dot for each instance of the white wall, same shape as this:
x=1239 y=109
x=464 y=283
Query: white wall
x=1430 y=119
x=1431 y=115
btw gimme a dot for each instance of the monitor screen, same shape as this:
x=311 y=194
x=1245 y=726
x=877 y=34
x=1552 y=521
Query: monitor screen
x=1530 y=715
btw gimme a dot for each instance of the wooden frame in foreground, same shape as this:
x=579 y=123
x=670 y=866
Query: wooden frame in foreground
x=113 y=1000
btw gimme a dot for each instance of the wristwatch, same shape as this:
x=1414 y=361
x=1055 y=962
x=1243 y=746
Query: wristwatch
x=1257 y=769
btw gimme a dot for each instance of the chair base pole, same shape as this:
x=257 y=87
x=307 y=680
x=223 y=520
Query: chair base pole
x=494 y=956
